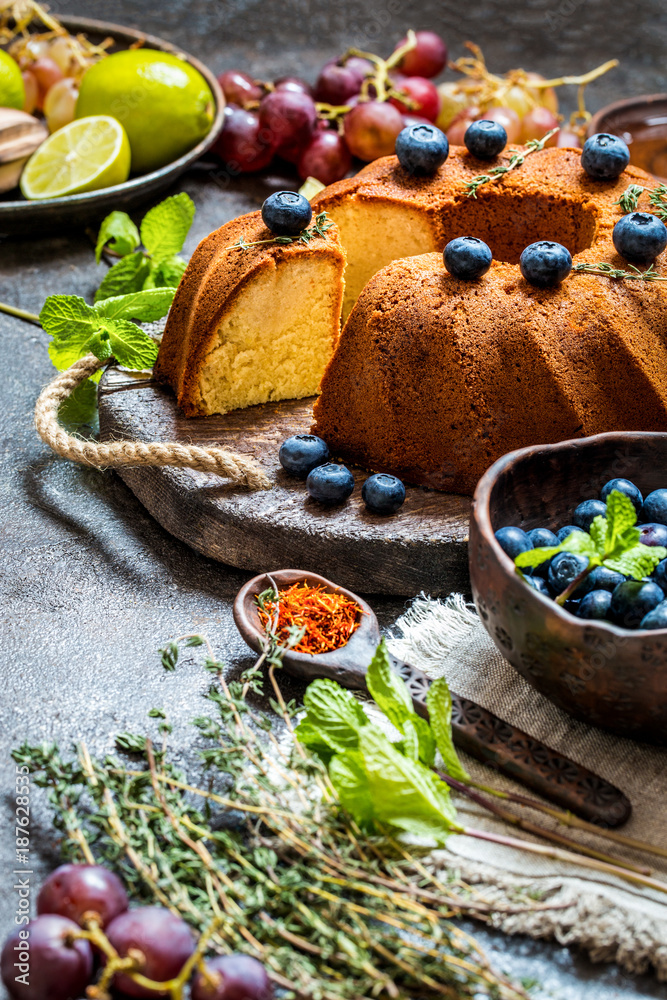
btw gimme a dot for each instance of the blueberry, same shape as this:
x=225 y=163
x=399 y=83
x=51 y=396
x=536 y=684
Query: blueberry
x=655 y=507
x=545 y=264
x=513 y=541
x=330 y=483
x=542 y=538
x=538 y=584
x=383 y=494
x=595 y=604
x=467 y=257
x=603 y=578
x=652 y=534
x=301 y=453
x=640 y=237
x=588 y=510
x=286 y=213
x=623 y=486
x=659 y=574
x=485 y=139
x=564 y=567
x=632 y=600
x=563 y=533
x=657 y=618
x=604 y=157
x=421 y=149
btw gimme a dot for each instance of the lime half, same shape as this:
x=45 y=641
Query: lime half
x=12 y=90
x=86 y=155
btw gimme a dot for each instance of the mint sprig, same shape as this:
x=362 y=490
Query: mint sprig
x=162 y=232
x=613 y=541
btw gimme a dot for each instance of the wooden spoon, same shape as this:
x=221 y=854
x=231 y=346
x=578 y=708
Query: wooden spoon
x=477 y=731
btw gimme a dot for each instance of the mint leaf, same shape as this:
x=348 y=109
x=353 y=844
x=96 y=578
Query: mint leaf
x=145 y=306
x=167 y=273
x=409 y=745
x=68 y=317
x=165 y=227
x=98 y=345
x=404 y=793
x=127 y=275
x=582 y=544
x=349 y=779
x=131 y=347
x=638 y=561
x=334 y=713
x=119 y=232
x=439 y=704
x=534 y=557
x=310 y=737
x=621 y=515
x=391 y=695
x=80 y=408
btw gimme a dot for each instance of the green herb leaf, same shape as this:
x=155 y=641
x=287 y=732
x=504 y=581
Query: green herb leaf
x=165 y=227
x=351 y=783
x=156 y=713
x=131 y=347
x=131 y=743
x=166 y=274
x=638 y=561
x=621 y=517
x=391 y=695
x=80 y=408
x=334 y=713
x=119 y=232
x=145 y=306
x=127 y=275
x=68 y=315
x=439 y=704
x=99 y=345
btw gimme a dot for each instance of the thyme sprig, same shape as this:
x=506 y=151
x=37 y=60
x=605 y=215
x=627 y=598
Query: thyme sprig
x=516 y=160
x=319 y=228
x=630 y=197
x=658 y=199
x=607 y=271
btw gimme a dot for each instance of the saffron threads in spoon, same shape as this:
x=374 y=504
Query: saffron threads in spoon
x=326 y=618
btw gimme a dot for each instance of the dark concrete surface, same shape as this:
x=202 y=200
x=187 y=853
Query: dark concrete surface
x=90 y=585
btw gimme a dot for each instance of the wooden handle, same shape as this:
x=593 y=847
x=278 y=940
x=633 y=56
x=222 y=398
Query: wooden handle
x=521 y=757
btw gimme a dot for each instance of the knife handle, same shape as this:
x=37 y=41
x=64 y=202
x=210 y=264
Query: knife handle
x=521 y=757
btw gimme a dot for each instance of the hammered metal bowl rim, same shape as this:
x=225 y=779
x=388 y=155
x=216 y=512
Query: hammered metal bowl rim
x=481 y=514
x=30 y=209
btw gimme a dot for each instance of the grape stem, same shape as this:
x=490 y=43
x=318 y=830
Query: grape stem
x=20 y=313
x=381 y=80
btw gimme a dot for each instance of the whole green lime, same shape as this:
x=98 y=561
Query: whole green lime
x=164 y=104
x=12 y=91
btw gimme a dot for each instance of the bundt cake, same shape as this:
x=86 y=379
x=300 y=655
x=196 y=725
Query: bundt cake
x=433 y=377
x=252 y=323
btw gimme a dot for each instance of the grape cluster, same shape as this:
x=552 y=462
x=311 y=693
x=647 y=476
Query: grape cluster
x=356 y=109
x=52 y=69
x=83 y=914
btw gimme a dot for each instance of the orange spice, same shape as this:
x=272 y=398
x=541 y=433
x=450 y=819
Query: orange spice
x=329 y=618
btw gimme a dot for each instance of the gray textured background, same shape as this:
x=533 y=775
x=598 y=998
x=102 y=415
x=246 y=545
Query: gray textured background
x=90 y=586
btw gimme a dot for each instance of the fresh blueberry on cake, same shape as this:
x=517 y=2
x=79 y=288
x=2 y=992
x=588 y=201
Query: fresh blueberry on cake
x=421 y=149
x=286 y=213
x=467 y=257
x=640 y=237
x=383 y=494
x=330 y=483
x=302 y=453
x=485 y=139
x=604 y=156
x=545 y=264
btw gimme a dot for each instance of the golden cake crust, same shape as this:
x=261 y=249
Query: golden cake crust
x=434 y=378
x=216 y=276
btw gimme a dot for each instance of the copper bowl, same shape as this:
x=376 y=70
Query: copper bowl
x=604 y=675
x=642 y=123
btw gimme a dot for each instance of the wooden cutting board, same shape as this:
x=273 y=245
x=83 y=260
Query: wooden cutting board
x=423 y=547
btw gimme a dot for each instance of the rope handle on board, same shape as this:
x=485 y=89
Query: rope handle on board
x=239 y=468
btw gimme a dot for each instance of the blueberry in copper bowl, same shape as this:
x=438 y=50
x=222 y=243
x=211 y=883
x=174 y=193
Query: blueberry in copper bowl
x=577 y=655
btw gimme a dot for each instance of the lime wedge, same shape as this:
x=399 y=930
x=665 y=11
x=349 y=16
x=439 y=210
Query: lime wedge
x=86 y=155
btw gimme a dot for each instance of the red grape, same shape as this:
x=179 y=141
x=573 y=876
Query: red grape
x=371 y=129
x=409 y=120
x=459 y=125
x=362 y=67
x=243 y=144
x=289 y=118
x=509 y=120
x=336 y=83
x=60 y=103
x=239 y=88
x=537 y=123
x=239 y=977
x=423 y=95
x=164 y=939
x=325 y=157
x=31 y=91
x=428 y=58
x=41 y=961
x=73 y=890
x=546 y=96
x=46 y=72
x=293 y=83
x=566 y=137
